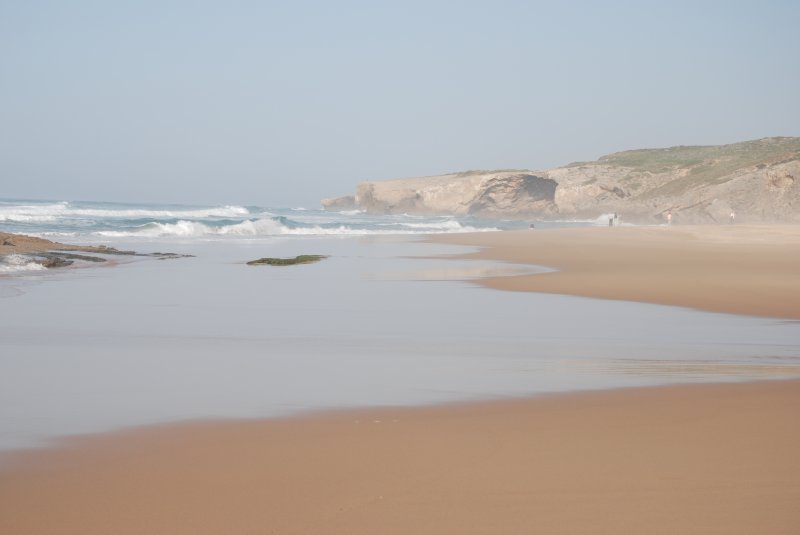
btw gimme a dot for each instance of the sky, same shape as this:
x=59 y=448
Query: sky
x=284 y=103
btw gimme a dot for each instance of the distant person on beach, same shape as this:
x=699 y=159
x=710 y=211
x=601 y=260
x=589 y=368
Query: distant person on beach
x=669 y=217
x=733 y=216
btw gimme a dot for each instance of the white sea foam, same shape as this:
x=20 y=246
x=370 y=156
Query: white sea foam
x=39 y=213
x=258 y=227
x=84 y=220
x=194 y=229
x=44 y=213
x=449 y=225
x=16 y=263
x=344 y=230
x=351 y=212
x=223 y=211
x=56 y=236
x=271 y=227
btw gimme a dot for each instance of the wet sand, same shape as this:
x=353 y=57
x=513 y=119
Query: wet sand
x=751 y=270
x=684 y=459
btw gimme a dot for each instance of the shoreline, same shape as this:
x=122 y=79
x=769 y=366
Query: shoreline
x=736 y=269
x=711 y=458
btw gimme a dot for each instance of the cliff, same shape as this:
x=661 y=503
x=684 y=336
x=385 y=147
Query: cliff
x=759 y=180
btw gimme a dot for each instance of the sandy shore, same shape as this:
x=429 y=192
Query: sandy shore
x=689 y=459
x=686 y=459
x=749 y=270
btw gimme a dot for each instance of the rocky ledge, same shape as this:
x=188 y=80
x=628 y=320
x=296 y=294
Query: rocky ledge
x=51 y=254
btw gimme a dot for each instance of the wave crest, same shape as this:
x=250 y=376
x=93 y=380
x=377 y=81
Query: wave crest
x=16 y=263
x=46 y=213
x=279 y=226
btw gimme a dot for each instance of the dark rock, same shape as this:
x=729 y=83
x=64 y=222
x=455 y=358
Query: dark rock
x=302 y=259
x=55 y=262
x=169 y=256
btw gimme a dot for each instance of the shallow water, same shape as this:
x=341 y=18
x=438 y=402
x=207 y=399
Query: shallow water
x=149 y=341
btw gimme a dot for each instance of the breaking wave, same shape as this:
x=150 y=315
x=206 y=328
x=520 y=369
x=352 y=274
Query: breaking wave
x=447 y=226
x=90 y=221
x=351 y=212
x=16 y=263
x=279 y=226
x=45 y=213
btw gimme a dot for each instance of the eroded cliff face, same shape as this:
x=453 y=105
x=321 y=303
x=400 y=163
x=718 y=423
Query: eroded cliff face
x=474 y=193
x=758 y=180
x=770 y=195
x=519 y=194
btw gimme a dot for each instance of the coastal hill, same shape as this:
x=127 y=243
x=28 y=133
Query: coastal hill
x=759 y=180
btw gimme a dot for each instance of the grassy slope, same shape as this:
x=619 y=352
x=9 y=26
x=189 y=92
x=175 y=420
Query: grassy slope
x=704 y=164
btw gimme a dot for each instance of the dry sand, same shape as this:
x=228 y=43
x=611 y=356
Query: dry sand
x=687 y=459
x=752 y=270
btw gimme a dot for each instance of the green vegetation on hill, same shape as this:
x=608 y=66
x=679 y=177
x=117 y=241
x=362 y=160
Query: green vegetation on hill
x=472 y=172
x=701 y=165
x=717 y=160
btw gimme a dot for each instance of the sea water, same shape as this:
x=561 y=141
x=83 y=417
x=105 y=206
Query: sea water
x=63 y=219
x=381 y=321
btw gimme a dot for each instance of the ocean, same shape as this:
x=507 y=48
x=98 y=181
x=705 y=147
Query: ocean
x=385 y=319
x=110 y=221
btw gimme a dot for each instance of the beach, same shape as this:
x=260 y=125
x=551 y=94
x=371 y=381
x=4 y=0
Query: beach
x=751 y=270
x=703 y=458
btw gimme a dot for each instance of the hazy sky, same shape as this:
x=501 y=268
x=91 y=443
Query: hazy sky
x=282 y=103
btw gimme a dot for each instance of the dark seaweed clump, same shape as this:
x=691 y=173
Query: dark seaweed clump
x=302 y=259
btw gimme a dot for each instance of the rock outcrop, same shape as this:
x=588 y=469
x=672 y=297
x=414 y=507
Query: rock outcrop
x=53 y=254
x=758 y=180
x=339 y=204
x=475 y=192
